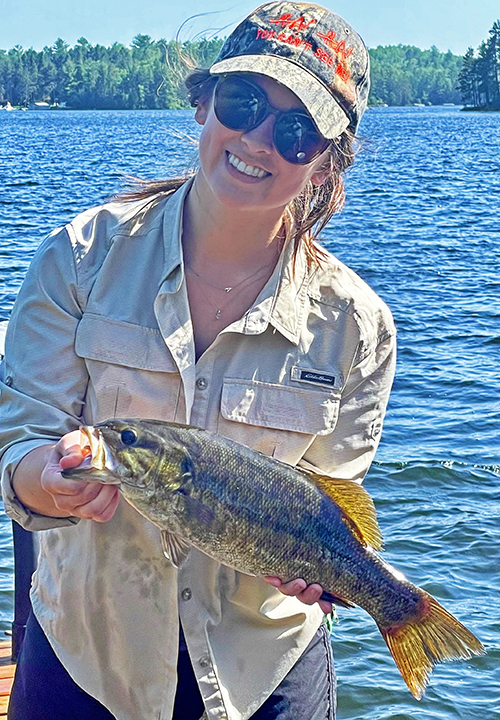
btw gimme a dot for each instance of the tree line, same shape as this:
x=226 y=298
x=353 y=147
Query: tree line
x=146 y=75
x=405 y=75
x=149 y=73
x=479 y=77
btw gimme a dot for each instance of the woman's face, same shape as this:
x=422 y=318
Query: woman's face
x=221 y=150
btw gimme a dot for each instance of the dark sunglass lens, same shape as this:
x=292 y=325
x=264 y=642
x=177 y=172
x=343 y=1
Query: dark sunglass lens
x=297 y=139
x=239 y=105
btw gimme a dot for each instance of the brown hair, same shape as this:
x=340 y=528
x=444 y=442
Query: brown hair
x=308 y=213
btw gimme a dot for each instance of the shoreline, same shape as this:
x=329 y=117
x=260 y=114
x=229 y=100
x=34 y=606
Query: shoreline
x=182 y=109
x=479 y=109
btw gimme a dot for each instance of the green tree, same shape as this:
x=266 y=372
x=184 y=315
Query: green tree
x=4 y=68
x=493 y=60
x=403 y=75
x=479 y=77
x=467 y=79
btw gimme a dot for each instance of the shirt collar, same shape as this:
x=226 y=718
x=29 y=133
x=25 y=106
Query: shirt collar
x=173 y=270
x=282 y=301
x=291 y=298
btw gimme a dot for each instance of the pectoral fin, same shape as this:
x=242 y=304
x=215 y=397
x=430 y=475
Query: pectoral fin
x=356 y=505
x=175 y=548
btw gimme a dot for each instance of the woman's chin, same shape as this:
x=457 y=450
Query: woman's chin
x=236 y=191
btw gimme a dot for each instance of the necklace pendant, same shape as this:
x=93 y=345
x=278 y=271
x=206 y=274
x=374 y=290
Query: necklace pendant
x=228 y=289
x=217 y=314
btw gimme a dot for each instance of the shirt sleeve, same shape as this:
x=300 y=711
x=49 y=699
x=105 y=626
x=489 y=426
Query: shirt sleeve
x=348 y=451
x=42 y=380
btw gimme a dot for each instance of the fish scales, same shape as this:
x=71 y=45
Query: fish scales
x=263 y=517
x=299 y=533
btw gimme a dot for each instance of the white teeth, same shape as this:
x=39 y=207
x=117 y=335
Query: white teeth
x=244 y=168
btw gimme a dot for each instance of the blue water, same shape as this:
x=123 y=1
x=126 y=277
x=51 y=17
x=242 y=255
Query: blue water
x=421 y=225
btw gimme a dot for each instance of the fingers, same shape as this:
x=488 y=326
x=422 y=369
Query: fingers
x=66 y=454
x=76 y=498
x=54 y=483
x=71 y=450
x=102 y=507
x=96 y=502
x=68 y=497
x=308 y=594
x=71 y=444
x=326 y=606
x=74 y=458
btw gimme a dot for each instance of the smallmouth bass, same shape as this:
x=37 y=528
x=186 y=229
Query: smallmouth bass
x=263 y=517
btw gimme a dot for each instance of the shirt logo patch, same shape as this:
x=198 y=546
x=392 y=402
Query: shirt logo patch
x=313 y=376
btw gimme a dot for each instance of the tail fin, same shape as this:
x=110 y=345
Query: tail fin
x=427 y=639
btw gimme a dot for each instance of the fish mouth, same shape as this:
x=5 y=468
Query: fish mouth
x=93 y=444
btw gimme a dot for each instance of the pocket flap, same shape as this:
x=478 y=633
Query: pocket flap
x=310 y=411
x=121 y=343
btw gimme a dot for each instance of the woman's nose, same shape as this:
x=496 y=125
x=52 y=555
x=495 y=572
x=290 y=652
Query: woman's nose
x=260 y=138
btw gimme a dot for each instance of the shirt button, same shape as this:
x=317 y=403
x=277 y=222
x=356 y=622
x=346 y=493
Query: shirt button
x=8 y=380
x=204 y=661
x=186 y=594
x=201 y=383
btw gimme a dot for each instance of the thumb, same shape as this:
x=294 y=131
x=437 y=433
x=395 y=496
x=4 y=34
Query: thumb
x=72 y=458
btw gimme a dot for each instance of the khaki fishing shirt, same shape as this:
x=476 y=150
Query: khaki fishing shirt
x=102 y=329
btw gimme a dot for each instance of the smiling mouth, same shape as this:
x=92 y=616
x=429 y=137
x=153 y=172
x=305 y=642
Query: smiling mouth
x=242 y=167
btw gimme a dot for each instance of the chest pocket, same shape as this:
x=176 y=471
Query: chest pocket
x=278 y=420
x=131 y=370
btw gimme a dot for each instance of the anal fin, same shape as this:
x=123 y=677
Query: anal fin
x=336 y=600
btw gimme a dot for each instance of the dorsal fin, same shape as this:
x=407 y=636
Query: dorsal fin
x=356 y=504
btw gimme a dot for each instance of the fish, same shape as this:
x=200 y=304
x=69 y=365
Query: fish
x=263 y=517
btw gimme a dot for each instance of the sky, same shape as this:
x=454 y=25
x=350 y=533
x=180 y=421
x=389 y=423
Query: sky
x=448 y=24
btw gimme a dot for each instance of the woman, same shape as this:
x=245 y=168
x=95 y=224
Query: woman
x=210 y=305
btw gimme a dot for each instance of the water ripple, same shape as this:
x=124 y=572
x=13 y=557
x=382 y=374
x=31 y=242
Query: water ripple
x=421 y=226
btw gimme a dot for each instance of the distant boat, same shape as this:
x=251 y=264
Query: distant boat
x=8 y=107
x=39 y=106
x=418 y=105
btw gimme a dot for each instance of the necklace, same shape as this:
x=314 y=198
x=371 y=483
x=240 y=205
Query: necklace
x=239 y=286
x=229 y=287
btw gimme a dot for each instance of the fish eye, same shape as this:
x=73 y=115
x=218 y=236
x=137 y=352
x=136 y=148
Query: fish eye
x=128 y=437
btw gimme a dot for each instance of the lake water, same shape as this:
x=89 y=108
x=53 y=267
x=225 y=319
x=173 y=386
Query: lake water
x=422 y=226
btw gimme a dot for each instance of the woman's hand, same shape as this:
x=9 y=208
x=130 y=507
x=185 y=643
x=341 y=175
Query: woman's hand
x=308 y=594
x=87 y=500
x=39 y=485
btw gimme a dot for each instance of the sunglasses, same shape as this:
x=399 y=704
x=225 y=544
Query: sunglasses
x=240 y=105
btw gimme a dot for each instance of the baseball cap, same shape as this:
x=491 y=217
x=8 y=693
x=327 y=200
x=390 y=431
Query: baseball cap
x=310 y=50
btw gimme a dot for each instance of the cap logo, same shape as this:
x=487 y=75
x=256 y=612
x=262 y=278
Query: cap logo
x=338 y=47
x=299 y=25
x=295 y=25
x=283 y=37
